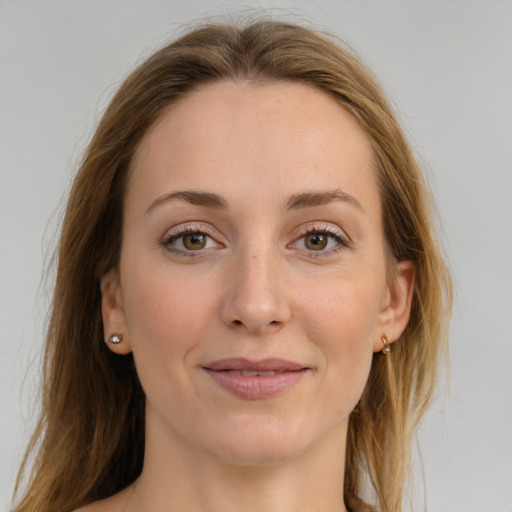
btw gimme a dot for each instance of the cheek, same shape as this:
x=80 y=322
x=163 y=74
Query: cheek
x=342 y=322
x=165 y=316
x=346 y=309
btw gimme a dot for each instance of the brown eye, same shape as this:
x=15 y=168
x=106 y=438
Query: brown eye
x=190 y=242
x=194 y=241
x=316 y=241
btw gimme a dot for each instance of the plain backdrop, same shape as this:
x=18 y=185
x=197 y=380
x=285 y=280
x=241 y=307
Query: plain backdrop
x=447 y=66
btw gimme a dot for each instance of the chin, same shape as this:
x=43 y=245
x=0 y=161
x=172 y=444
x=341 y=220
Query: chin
x=260 y=442
x=260 y=454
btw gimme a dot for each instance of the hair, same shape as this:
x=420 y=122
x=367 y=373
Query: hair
x=89 y=441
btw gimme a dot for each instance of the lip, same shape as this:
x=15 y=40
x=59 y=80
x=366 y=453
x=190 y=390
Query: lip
x=278 y=376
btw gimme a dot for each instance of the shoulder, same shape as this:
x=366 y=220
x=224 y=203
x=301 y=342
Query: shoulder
x=98 y=506
x=115 y=503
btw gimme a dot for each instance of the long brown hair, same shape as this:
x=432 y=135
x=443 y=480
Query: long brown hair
x=89 y=441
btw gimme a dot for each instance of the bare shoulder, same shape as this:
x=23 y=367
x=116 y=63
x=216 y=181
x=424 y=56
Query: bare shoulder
x=100 y=506
x=92 y=507
x=115 y=503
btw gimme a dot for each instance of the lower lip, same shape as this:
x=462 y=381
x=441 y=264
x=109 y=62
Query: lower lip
x=257 y=386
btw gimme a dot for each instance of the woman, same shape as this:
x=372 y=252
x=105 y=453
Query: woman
x=250 y=305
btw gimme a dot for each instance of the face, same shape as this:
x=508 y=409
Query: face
x=252 y=285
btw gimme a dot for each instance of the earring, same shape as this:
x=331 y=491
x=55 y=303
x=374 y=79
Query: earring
x=115 y=339
x=385 y=340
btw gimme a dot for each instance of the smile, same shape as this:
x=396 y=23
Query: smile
x=255 y=380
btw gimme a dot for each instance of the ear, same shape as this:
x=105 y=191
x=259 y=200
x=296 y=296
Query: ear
x=396 y=305
x=114 y=320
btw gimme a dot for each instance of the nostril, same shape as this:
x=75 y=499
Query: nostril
x=237 y=322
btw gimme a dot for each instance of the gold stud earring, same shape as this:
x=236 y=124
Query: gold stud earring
x=385 y=341
x=115 y=339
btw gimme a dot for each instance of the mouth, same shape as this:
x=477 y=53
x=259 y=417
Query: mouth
x=254 y=380
x=250 y=373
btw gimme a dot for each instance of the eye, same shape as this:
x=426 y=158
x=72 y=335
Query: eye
x=318 y=241
x=324 y=240
x=188 y=240
x=193 y=241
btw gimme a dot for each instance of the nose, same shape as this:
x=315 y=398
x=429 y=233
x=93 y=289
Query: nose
x=256 y=299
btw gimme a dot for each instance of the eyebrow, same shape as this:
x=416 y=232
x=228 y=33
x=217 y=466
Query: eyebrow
x=295 y=202
x=205 y=199
x=308 y=199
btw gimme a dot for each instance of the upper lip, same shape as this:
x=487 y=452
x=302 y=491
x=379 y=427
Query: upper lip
x=263 y=365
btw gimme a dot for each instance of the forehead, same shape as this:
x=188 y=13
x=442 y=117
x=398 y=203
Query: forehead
x=282 y=136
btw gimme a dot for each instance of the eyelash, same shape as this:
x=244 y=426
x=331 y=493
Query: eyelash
x=335 y=234
x=180 y=232
x=341 y=240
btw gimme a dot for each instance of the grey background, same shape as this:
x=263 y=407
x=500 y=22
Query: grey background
x=447 y=66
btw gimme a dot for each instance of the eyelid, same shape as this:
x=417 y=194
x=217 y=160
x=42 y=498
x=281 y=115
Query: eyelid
x=342 y=239
x=184 y=229
x=323 y=227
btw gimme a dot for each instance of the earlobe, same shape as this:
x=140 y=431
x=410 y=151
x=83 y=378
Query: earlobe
x=114 y=322
x=396 y=309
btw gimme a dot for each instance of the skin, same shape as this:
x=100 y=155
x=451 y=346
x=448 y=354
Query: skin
x=259 y=288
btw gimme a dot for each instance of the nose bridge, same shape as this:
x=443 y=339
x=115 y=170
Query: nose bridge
x=257 y=295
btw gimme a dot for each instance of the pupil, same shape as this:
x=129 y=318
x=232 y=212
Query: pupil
x=316 y=242
x=194 y=241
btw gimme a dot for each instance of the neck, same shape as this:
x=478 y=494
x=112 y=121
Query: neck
x=176 y=477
